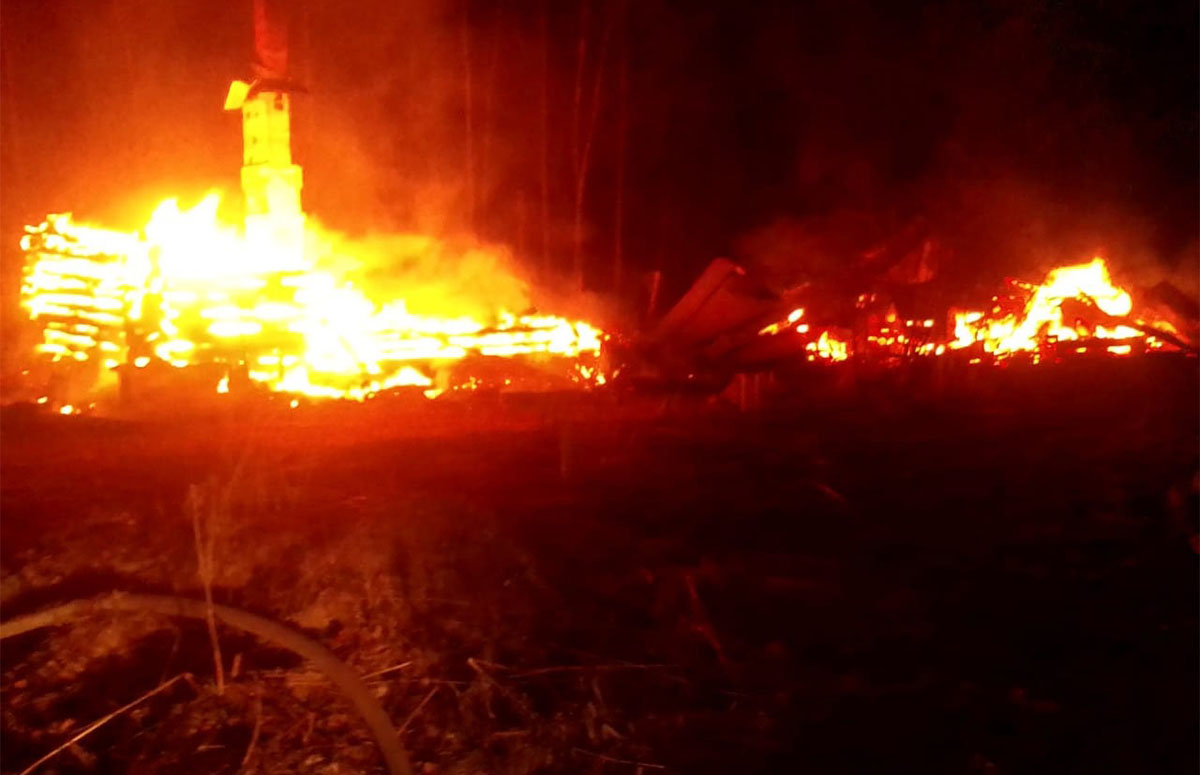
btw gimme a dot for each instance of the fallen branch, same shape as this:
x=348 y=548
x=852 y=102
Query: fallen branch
x=257 y=728
x=614 y=760
x=489 y=682
x=601 y=667
x=701 y=621
x=588 y=669
x=205 y=561
x=346 y=679
x=92 y=727
x=416 y=710
x=387 y=670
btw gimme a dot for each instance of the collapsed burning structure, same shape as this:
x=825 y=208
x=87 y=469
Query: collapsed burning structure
x=728 y=323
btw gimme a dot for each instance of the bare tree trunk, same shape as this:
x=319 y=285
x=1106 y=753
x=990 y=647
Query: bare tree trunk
x=487 y=124
x=622 y=143
x=522 y=217
x=576 y=147
x=302 y=72
x=545 y=136
x=11 y=129
x=585 y=152
x=467 y=90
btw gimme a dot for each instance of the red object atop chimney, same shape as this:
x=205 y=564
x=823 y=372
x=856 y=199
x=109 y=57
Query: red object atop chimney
x=270 y=39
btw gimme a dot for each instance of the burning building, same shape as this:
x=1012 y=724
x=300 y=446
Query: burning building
x=250 y=303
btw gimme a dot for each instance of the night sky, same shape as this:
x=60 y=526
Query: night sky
x=791 y=136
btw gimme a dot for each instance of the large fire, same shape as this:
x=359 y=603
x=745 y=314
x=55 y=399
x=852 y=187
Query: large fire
x=193 y=290
x=263 y=302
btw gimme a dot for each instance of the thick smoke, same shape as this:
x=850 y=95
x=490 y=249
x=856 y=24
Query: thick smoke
x=434 y=276
x=1024 y=136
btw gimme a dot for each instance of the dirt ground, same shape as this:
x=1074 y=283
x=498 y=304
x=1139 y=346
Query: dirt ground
x=862 y=576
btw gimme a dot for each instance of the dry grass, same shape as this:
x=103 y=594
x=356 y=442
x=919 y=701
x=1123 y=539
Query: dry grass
x=690 y=597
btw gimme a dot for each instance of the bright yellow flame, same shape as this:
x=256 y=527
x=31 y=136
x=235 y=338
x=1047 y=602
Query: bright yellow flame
x=196 y=290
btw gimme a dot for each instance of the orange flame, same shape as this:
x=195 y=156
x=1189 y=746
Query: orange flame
x=195 y=290
x=1042 y=321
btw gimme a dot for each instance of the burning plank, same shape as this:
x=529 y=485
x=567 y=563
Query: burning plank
x=84 y=286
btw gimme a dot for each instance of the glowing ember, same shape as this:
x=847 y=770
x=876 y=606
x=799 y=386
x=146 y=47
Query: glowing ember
x=194 y=290
x=827 y=348
x=792 y=317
